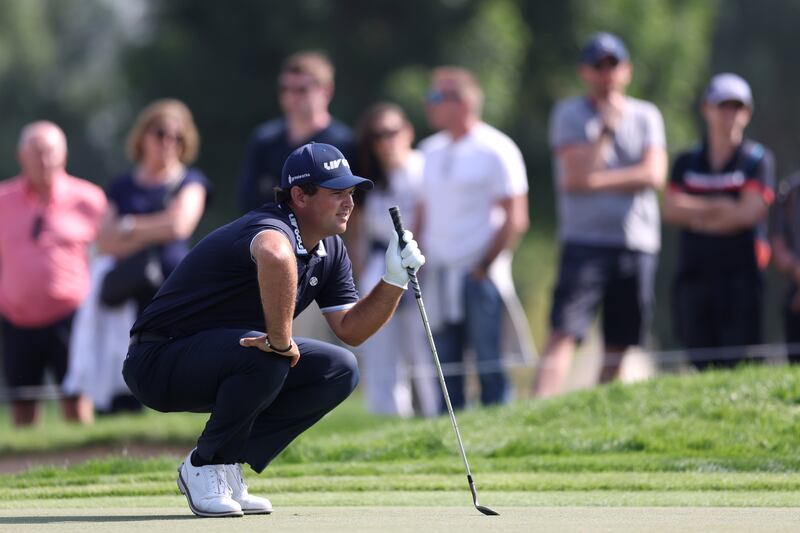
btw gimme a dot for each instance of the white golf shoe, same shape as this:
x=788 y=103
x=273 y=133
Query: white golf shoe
x=206 y=489
x=250 y=504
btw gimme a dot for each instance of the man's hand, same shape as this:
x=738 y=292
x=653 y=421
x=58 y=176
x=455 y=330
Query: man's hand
x=260 y=342
x=611 y=110
x=398 y=261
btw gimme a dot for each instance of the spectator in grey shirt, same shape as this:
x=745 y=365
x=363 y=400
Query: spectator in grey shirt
x=609 y=160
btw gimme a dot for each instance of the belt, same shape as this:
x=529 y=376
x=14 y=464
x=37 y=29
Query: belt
x=145 y=336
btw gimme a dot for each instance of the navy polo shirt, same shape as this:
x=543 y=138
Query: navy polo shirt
x=131 y=198
x=750 y=167
x=216 y=284
x=268 y=149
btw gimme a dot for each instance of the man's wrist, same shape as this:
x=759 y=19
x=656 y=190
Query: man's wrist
x=126 y=224
x=275 y=349
x=389 y=280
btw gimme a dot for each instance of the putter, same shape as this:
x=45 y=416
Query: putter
x=398 y=226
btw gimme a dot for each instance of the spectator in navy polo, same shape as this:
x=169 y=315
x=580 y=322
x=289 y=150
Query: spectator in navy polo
x=305 y=90
x=718 y=196
x=217 y=337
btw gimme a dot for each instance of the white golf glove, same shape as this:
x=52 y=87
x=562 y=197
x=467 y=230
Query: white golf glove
x=397 y=260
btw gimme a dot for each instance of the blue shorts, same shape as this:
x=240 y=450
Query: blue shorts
x=619 y=281
x=28 y=352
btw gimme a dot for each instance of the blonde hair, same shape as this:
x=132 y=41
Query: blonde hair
x=152 y=115
x=314 y=64
x=465 y=81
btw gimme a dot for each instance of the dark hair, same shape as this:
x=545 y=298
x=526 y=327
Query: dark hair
x=368 y=164
x=285 y=195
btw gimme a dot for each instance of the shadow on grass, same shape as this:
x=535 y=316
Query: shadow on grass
x=21 y=520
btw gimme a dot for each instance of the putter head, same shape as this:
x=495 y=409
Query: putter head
x=485 y=510
x=482 y=508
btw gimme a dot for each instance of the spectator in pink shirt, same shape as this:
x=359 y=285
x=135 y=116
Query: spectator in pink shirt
x=47 y=221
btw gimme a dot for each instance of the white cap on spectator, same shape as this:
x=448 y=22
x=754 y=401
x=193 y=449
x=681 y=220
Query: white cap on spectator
x=729 y=87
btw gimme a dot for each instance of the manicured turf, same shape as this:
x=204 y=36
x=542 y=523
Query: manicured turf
x=728 y=438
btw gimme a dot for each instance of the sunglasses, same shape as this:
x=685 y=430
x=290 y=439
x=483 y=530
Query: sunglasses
x=381 y=135
x=297 y=89
x=607 y=63
x=732 y=105
x=163 y=135
x=436 y=96
x=38 y=226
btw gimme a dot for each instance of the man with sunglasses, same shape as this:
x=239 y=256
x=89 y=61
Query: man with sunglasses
x=47 y=221
x=305 y=90
x=475 y=211
x=719 y=196
x=609 y=161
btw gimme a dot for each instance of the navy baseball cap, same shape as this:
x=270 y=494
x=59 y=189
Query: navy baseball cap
x=320 y=164
x=602 y=45
x=725 y=87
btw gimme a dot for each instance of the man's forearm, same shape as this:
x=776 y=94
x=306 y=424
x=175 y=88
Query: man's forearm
x=624 y=179
x=369 y=314
x=506 y=238
x=580 y=177
x=277 y=280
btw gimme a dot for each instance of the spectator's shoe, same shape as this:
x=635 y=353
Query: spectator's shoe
x=250 y=504
x=207 y=490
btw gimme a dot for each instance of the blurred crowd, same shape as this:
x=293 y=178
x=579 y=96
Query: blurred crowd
x=79 y=263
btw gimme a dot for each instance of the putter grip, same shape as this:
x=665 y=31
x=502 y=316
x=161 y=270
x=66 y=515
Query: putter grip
x=394 y=212
x=397 y=220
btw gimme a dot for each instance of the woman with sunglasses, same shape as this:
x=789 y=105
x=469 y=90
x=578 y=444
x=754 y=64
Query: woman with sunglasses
x=397 y=355
x=157 y=204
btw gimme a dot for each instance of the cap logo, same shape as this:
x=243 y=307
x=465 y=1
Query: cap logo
x=334 y=164
x=292 y=179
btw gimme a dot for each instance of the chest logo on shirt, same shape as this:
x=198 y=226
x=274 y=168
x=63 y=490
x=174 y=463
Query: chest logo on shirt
x=300 y=248
x=313 y=281
x=724 y=181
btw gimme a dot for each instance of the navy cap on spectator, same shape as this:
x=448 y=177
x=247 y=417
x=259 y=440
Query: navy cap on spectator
x=602 y=45
x=728 y=87
x=320 y=164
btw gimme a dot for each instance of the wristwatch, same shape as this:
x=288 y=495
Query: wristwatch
x=126 y=224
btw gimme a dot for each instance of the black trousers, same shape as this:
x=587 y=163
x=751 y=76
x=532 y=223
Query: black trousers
x=258 y=404
x=791 y=326
x=717 y=310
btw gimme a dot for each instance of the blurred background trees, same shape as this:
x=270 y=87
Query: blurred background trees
x=90 y=65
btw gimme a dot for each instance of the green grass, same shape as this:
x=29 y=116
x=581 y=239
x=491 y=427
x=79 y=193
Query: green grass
x=722 y=438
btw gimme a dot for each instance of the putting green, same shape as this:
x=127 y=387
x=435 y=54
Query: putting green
x=170 y=514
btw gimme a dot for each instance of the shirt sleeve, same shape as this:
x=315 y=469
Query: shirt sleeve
x=676 y=176
x=512 y=176
x=566 y=126
x=339 y=291
x=195 y=175
x=654 y=135
x=763 y=178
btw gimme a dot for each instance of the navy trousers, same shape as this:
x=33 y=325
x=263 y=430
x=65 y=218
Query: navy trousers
x=258 y=404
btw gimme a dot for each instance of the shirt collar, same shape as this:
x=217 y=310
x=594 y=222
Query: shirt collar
x=58 y=189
